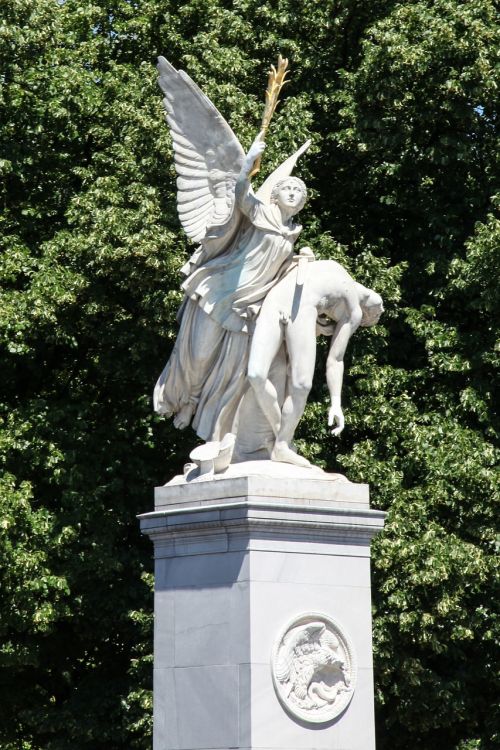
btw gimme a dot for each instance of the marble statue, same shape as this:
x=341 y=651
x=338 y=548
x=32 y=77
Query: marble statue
x=245 y=351
x=246 y=246
x=261 y=559
x=290 y=313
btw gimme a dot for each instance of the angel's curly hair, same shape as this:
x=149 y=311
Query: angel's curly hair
x=297 y=181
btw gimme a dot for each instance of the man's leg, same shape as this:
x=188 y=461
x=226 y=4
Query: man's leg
x=266 y=341
x=301 y=346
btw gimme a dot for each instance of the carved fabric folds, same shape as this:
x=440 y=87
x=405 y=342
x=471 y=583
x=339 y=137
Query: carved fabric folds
x=207 y=368
x=208 y=364
x=231 y=287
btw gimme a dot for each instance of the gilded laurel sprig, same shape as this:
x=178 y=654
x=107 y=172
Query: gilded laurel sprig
x=275 y=83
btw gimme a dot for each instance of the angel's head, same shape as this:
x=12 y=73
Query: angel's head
x=290 y=194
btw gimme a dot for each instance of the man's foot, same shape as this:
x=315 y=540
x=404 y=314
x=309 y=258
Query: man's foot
x=281 y=452
x=183 y=417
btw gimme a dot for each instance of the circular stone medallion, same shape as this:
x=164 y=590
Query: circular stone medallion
x=314 y=668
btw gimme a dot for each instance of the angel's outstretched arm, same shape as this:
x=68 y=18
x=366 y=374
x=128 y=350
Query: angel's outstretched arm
x=243 y=194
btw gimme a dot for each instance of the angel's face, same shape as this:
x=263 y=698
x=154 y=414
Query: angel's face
x=289 y=196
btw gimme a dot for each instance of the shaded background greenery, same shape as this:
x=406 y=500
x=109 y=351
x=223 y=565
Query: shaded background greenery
x=401 y=101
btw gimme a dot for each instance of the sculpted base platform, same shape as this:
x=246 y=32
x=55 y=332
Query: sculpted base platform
x=263 y=611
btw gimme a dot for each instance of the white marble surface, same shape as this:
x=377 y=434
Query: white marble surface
x=228 y=578
x=272 y=605
x=272 y=525
x=321 y=570
x=207 y=706
x=217 y=569
x=263 y=479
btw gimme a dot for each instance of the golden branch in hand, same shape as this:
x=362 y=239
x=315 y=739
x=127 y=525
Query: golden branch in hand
x=275 y=83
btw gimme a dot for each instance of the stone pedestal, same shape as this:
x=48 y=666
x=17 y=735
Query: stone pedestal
x=262 y=611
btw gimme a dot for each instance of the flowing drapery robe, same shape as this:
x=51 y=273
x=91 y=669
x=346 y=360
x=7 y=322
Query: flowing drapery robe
x=207 y=367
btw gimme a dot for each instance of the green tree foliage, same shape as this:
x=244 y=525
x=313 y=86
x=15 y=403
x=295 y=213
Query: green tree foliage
x=401 y=102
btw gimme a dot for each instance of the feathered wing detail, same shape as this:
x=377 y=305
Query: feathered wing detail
x=207 y=155
x=291 y=650
x=284 y=170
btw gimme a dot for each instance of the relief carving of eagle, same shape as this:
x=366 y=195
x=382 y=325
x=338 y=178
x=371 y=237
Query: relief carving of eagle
x=310 y=666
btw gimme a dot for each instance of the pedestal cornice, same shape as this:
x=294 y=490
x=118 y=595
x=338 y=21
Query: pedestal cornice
x=234 y=512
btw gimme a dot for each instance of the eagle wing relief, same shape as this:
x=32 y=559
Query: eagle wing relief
x=295 y=663
x=207 y=155
x=314 y=668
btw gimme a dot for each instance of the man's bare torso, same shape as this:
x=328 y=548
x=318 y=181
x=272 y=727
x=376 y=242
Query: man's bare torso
x=326 y=290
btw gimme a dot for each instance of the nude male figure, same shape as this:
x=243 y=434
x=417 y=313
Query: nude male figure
x=290 y=313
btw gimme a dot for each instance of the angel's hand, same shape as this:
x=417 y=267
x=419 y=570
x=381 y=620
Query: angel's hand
x=336 y=417
x=256 y=149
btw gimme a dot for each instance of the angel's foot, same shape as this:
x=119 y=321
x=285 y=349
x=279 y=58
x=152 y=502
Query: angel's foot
x=281 y=452
x=183 y=416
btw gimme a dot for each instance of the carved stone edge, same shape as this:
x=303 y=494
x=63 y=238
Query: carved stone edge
x=356 y=525
x=301 y=714
x=242 y=526
x=317 y=488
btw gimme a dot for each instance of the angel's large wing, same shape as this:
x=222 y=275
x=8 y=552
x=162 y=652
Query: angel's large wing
x=207 y=154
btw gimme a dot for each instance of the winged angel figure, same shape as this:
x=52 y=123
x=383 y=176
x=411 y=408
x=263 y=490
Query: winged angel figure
x=246 y=243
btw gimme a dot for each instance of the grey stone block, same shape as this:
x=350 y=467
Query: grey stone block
x=207 y=707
